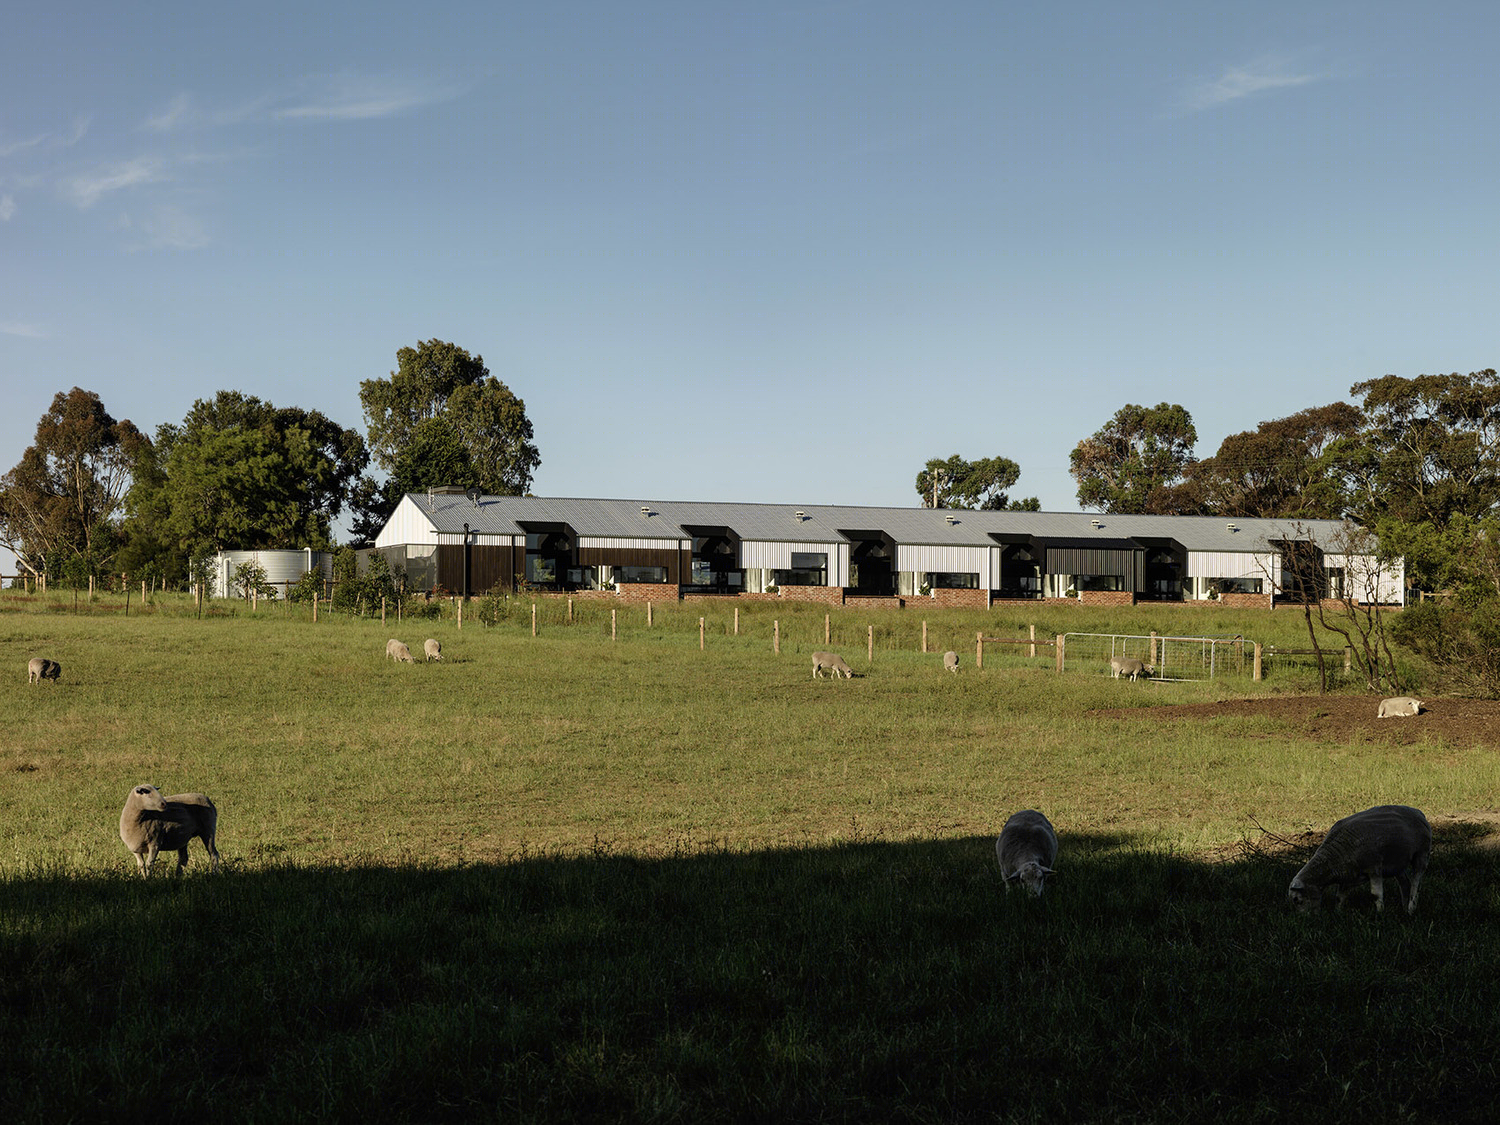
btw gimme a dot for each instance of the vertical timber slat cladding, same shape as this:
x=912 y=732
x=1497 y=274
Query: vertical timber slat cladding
x=1122 y=560
x=668 y=557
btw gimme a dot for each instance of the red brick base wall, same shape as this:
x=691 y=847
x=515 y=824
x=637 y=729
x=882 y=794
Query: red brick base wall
x=648 y=592
x=1241 y=601
x=825 y=595
x=854 y=601
x=1106 y=597
x=961 y=599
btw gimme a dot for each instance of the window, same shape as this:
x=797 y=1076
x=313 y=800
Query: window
x=809 y=568
x=954 y=581
x=641 y=573
x=1101 y=582
x=1237 y=585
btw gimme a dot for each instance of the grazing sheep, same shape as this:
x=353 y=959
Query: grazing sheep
x=1027 y=849
x=432 y=650
x=1385 y=842
x=1399 y=707
x=150 y=823
x=398 y=652
x=1129 y=666
x=831 y=660
x=40 y=669
x=950 y=662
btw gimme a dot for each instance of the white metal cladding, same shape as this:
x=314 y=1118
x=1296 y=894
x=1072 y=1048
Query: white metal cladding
x=280 y=567
x=1366 y=581
x=1234 y=564
x=929 y=559
x=616 y=544
x=778 y=556
x=408 y=524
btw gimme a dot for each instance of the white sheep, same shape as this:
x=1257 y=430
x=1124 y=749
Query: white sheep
x=150 y=823
x=1385 y=842
x=432 y=650
x=831 y=660
x=950 y=662
x=1399 y=707
x=398 y=652
x=1129 y=666
x=39 y=668
x=1027 y=850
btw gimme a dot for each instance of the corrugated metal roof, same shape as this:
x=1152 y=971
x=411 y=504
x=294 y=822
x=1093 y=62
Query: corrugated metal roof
x=822 y=523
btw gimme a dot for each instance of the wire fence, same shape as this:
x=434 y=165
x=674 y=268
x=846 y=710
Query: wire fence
x=1170 y=658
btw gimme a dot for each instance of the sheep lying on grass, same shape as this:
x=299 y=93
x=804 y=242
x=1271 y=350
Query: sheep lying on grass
x=432 y=650
x=398 y=652
x=1385 y=842
x=1129 y=666
x=1399 y=707
x=950 y=662
x=833 y=661
x=1027 y=850
x=150 y=823
x=40 y=668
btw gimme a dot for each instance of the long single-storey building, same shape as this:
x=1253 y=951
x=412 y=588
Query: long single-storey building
x=447 y=541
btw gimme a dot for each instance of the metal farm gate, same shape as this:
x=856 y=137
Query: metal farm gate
x=1175 y=658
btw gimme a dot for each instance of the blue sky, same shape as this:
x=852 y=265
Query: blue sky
x=774 y=251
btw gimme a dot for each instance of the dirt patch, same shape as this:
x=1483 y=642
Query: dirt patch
x=1340 y=718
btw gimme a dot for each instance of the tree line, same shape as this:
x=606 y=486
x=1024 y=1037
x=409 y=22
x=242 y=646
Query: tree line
x=96 y=496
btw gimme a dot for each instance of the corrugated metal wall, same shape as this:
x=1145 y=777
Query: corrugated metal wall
x=408 y=524
x=929 y=559
x=1234 y=564
x=1079 y=561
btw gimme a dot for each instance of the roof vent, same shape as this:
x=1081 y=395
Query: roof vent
x=949 y=518
x=1097 y=524
x=646 y=510
x=1231 y=527
x=800 y=516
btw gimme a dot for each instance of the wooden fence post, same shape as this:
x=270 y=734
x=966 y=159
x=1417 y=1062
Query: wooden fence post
x=1059 y=643
x=924 y=636
x=1256 y=673
x=649 y=617
x=1033 y=641
x=460 y=615
x=979 y=650
x=700 y=634
x=570 y=611
x=827 y=629
x=871 y=656
x=776 y=636
x=736 y=621
x=612 y=623
x=315 y=607
x=1348 y=659
x=382 y=609
x=1153 y=660
x=533 y=619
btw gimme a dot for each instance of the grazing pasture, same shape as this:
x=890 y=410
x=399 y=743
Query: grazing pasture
x=565 y=877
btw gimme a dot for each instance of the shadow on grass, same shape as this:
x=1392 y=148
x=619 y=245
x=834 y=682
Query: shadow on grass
x=863 y=981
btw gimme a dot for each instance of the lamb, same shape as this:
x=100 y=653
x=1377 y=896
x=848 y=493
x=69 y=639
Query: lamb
x=432 y=650
x=398 y=652
x=150 y=823
x=1027 y=850
x=1399 y=708
x=1384 y=842
x=833 y=661
x=1129 y=666
x=40 y=668
x=950 y=662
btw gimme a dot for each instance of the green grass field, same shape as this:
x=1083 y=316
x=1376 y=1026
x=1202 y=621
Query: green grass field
x=566 y=877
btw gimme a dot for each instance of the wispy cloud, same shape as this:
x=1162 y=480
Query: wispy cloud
x=87 y=188
x=168 y=228
x=15 y=328
x=178 y=112
x=7 y=208
x=360 y=99
x=1255 y=77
